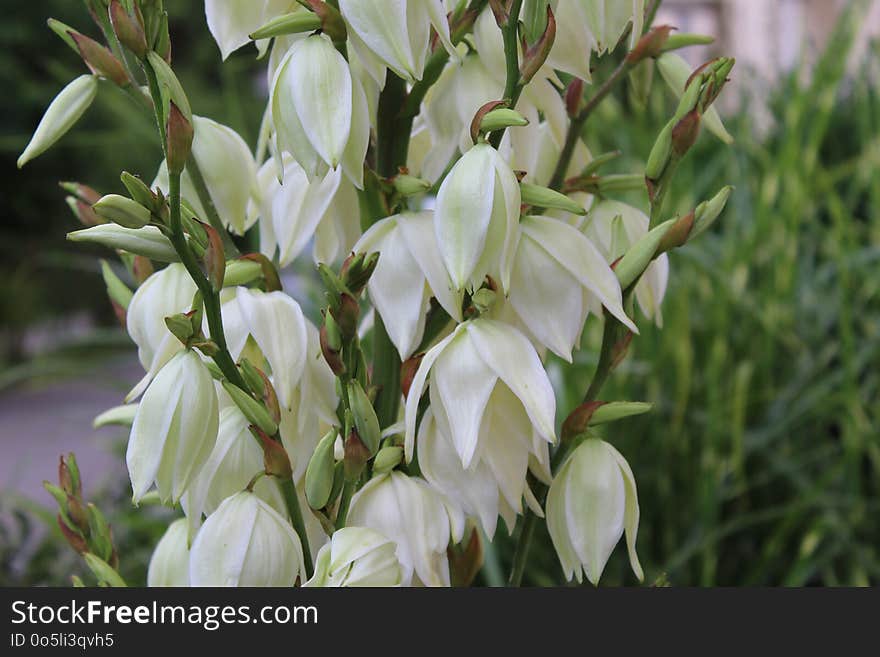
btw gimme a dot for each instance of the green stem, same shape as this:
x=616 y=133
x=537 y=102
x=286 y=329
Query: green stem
x=578 y=122
x=386 y=374
x=344 y=503
x=513 y=84
x=296 y=518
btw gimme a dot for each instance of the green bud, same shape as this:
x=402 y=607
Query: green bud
x=544 y=197
x=364 y=415
x=181 y=327
x=241 y=272
x=255 y=412
x=293 y=23
x=116 y=289
x=129 y=29
x=147 y=241
x=501 y=118
x=387 y=459
x=123 y=211
x=65 y=110
x=689 y=99
x=320 y=472
x=535 y=56
x=357 y=270
x=406 y=185
x=660 y=153
x=483 y=299
x=685 y=39
x=72 y=475
x=63 y=31
x=59 y=495
x=122 y=416
x=100 y=539
x=169 y=87
x=620 y=182
x=251 y=375
x=102 y=570
x=708 y=211
x=611 y=411
x=138 y=190
x=634 y=262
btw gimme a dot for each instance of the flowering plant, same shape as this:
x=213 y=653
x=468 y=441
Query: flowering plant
x=429 y=155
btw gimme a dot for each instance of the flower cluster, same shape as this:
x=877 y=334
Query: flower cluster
x=435 y=147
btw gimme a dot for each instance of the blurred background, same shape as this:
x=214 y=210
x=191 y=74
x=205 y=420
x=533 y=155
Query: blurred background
x=761 y=462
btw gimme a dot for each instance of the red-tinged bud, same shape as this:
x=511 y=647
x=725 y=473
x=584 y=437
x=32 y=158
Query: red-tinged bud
x=141 y=268
x=275 y=459
x=501 y=11
x=331 y=344
x=574 y=97
x=347 y=316
x=408 y=370
x=73 y=538
x=579 y=419
x=535 y=56
x=357 y=270
x=270 y=273
x=652 y=44
x=465 y=560
x=356 y=456
x=477 y=121
x=215 y=257
x=100 y=60
x=81 y=192
x=685 y=133
x=84 y=212
x=677 y=235
x=65 y=477
x=129 y=29
x=179 y=135
x=331 y=20
x=120 y=313
x=77 y=514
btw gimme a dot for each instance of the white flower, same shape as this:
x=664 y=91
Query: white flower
x=476 y=218
x=590 y=503
x=613 y=227
x=229 y=171
x=495 y=482
x=167 y=292
x=357 y=556
x=583 y=26
x=412 y=514
x=410 y=271
x=398 y=32
x=245 y=542
x=465 y=369
x=231 y=21
x=557 y=276
x=319 y=110
x=233 y=462
x=174 y=429
x=294 y=210
x=169 y=565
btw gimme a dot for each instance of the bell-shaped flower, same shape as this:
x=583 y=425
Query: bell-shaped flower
x=591 y=502
x=416 y=517
x=495 y=482
x=320 y=111
x=232 y=464
x=584 y=26
x=398 y=32
x=169 y=565
x=245 y=542
x=465 y=369
x=613 y=227
x=558 y=276
x=476 y=218
x=174 y=429
x=167 y=292
x=410 y=271
x=357 y=556
x=232 y=21
x=294 y=210
x=229 y=172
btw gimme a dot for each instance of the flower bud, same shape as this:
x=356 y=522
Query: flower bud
x=99 y=60
x=179 y=139
x=356 y=455
x=62 y=113
x=254 y=411
x=500 y=118
x=295 y=22
x=357 y=556
x=241 y=272
x=612 y=411
x=122 y=416
x=365 y=420
x=708 y=211
x=536 y=55
x=129 y=29
x=544 y=197
x=175 y=428
x=105 y=574
x=245 y=542
x=639 y=256
x=169 y=565
x=122 y=210
x=320 y=472
x=676 y=72
x=387 y=459
x=147 y=241
x=406 y=185
x=116 y=289
x=591 y=502
x=169 y=87
x=651 y=44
